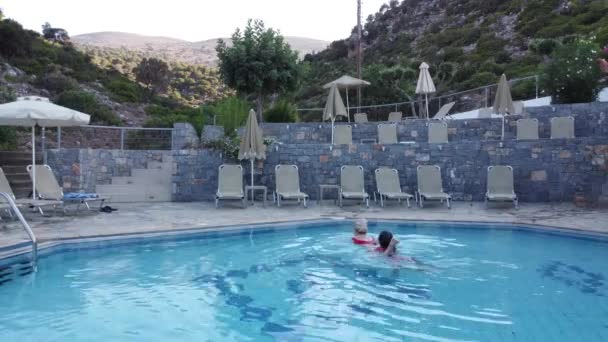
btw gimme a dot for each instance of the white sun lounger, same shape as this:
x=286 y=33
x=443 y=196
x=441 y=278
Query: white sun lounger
x=389 y=187
x=500 y=184
x=47 y=188
x=387 y=134
x=438 y=132
x=352 y=184
x=230 y=184
x=562 y=127
x=430 y=185
x=26 y=202
x=443 y=111
x=343 y=135
x=527 y=129
x=395 y=117
x=361 y=118
x=287 y=180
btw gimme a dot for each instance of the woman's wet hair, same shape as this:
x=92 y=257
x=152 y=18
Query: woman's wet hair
x=384 y=239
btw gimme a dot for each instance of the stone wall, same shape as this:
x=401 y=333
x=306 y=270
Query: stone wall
x=545 y=170
x=590 y=121
x=82 y=169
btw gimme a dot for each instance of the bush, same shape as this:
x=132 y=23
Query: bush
x=231 y=113
x=282 y=111
x=123 y=90
x=86 y=103
x=161 y=116
x=57 y=83
x=544 y=46
x=572 y=76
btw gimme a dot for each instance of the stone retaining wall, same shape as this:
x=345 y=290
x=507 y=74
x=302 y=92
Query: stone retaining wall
x=545 y=170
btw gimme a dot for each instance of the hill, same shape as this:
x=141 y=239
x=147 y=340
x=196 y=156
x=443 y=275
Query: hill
x=174 y=50
x=468 y=43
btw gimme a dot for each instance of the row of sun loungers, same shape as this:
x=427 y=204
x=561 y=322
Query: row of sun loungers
x=396 y=117
x=500 y=185
x=527 y=129
x=49 y=193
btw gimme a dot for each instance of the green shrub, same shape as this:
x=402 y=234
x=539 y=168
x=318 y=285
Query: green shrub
x=544 y=46
x=231 y=113
x=161 y=116
x=572 y=76
x=282 y=111
x=8 y=135
x=86 y=103
x=57 y=83
x=124 y=90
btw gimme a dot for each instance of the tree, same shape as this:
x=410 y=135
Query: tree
x=1 y=14
x=54 y=34
x=14 y=40
x=573 y=76
x=154 y=74
x=259 y=63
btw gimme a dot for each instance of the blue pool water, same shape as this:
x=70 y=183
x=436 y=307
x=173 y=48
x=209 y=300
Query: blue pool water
x=312 y=284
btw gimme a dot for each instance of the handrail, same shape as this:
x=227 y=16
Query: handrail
x=26 y=226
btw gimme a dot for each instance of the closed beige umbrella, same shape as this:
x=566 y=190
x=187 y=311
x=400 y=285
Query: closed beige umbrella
x=425 y=85
x=503 y=103
x=252 y=143
x=333 y=108
x=346 y=82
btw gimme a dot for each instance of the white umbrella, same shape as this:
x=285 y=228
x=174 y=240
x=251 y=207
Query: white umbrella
x=425 y=85
x=503 y=103
x=252 y=144
x=346 y=82
x=35 y=111
x=333 y=108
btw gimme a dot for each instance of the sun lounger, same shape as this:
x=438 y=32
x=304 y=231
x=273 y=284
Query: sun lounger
x=485 y=113
x=430 y=185
x=395 y=117
x=443 y=111
x=287 y=180
x=500 y=184
x=389 y=187
x=47 y=188
x=26 y=202
x=518 y=107
x=438 y=132
x=387 y=134
x=562 y=128
x=361 y=118
x=343 y=135
x=351 y=184
x=527 y=129
x=230 y=184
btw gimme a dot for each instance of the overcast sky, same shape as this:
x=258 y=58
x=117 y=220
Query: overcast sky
x=192 y=19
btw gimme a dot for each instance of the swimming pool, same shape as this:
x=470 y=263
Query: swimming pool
x=312 y=284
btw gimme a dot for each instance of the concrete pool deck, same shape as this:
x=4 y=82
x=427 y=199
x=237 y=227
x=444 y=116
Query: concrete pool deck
x=135 y=218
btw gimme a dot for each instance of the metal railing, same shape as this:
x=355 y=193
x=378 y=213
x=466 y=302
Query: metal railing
x=26 y=226
x=108 y=137
x=466 y=100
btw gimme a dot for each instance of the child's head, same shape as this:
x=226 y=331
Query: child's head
x=361 y=226
x=384 y=239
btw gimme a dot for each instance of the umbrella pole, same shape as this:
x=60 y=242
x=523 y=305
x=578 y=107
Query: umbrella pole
x=251 y=172
x=347 y=108
x=426 y=97
x=332 y=131
x=34 y=162
x=502 y=136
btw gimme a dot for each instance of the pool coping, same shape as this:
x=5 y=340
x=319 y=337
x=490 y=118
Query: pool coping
x=18 y=251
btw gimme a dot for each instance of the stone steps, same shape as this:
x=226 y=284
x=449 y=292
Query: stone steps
x=14 y=166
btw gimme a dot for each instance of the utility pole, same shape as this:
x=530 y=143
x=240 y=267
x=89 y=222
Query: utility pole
x=359 y=34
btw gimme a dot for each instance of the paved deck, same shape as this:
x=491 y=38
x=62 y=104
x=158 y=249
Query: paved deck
x=155 y=217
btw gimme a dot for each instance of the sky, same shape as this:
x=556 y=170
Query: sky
x=192 y=20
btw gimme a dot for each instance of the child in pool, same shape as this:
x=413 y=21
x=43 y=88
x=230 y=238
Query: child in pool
x=388 y=247
x=360 y=237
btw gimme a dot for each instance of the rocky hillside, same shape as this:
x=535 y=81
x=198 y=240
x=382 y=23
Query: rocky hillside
x=468 y=43
x=171 y=49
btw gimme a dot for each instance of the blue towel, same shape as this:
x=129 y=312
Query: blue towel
x=79 y=195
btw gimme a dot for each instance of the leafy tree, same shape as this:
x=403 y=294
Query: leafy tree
x=1 y=14
x=54 y=34
x=259 y=62
x=14 y=40
x=154 y=74
x=573 y=76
